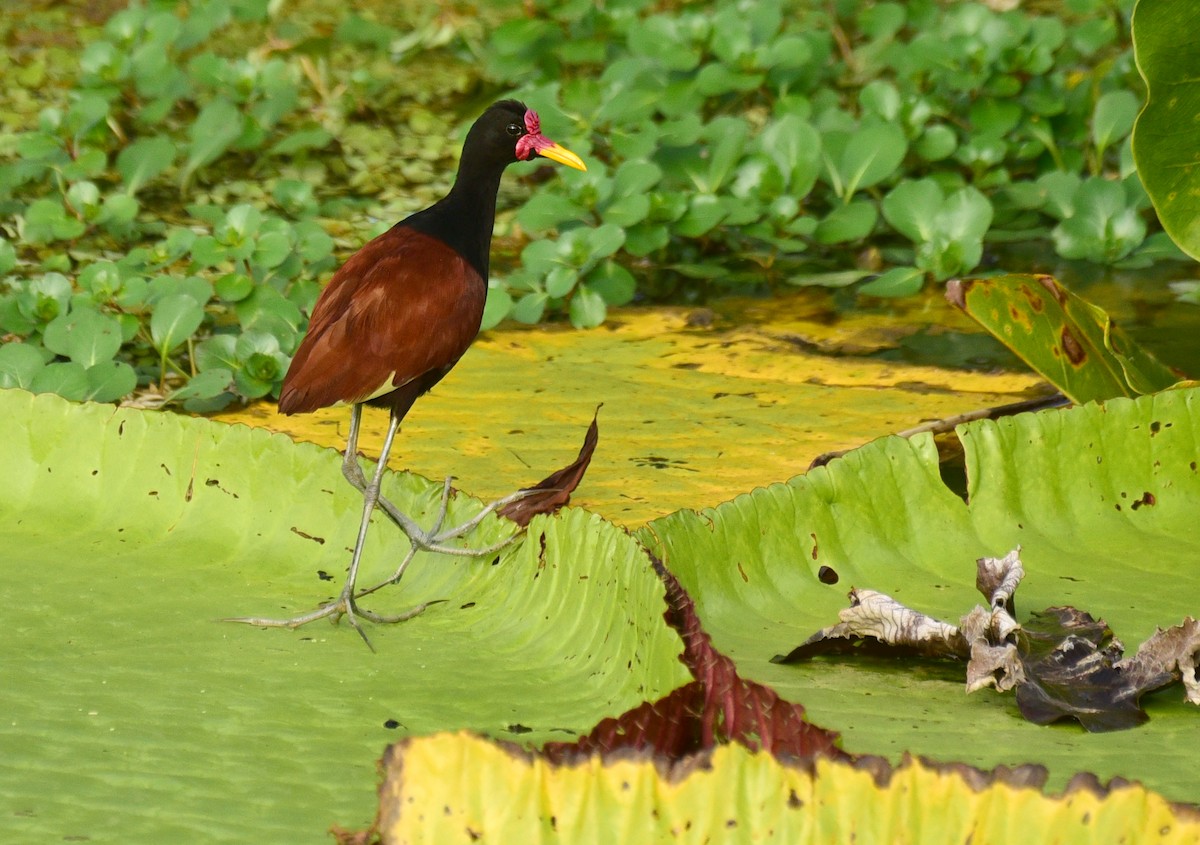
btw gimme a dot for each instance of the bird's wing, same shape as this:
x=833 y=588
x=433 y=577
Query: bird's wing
x=402 y=306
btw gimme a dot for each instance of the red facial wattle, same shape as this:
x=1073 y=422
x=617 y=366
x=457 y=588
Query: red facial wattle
x=533 y=142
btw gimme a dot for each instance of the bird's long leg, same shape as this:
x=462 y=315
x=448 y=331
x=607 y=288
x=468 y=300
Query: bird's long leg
x=344 y=603
x=434 y=539
x=419 y=539
x=350 y=466
x=370 y=496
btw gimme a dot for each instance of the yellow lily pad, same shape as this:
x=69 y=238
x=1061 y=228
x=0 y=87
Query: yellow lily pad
x=698 y=406
x=452 y=788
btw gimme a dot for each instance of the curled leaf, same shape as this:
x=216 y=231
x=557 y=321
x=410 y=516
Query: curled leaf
x=1061 y=662
x=554 y=491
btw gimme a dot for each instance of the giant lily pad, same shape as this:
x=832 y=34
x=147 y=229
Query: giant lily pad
x=1103 y=501
x=1166 y=135
x=698 y=406
x=131 y=713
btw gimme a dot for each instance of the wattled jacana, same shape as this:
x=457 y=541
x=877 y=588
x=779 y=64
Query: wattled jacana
x=398 y=315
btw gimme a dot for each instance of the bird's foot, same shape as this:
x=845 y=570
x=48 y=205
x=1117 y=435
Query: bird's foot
x=435 y=539
x=344 y=605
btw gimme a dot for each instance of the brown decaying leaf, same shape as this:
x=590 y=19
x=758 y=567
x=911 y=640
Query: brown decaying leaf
x=718 y=706
x=554 y=491
x=1061 y=662
x=878 y=624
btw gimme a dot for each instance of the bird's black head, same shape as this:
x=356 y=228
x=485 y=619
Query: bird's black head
x=463 y=219
x=509 y=131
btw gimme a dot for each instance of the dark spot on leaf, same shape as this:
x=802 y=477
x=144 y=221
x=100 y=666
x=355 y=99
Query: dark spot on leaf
x=742 y=572
x=827 y=575
x=212 y=482
x=554 y=823
x=1071 y=347
x=794 y=802
x=95 y=472
x=1155 y=427
x=391 y=724
x=474 y=836
x=750 y=395
x=814 y=548
x=496 y=560
x=1036 y=303
x=518 y=728
x=1056 y=290
x=730 y=822
x=153 y=493
x=686 y=365
x=1147 y=500
x=318 y=540
x=466 y=606
x=323 y=575
x=121 y=429
x=165 y=469
x=956 y=293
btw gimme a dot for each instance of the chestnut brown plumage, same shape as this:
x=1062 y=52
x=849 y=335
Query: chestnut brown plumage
x=398 y=315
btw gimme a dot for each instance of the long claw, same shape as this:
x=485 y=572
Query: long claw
x=433 y=540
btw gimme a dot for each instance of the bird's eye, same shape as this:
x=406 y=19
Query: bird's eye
x=513 y=129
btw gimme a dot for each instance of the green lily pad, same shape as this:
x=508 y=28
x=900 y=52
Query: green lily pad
x=1166 y=135
x=129 y=534
x=1103 y=502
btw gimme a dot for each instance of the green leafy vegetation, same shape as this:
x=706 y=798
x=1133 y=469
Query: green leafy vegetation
x=185 y=176
x=774 y=142
x=173 y=201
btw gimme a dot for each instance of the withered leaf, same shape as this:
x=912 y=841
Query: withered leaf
x=1061 y=662
x=554 y=491
x=878 y=624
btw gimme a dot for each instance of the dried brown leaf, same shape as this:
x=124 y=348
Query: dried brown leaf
x=554 y=491
x=1062 y=663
